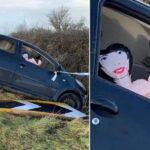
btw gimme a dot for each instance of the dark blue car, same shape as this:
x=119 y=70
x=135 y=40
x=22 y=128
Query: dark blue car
x=27 y=69
x=120 y=118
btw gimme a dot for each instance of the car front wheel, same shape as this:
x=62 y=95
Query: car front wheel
x=72 y=100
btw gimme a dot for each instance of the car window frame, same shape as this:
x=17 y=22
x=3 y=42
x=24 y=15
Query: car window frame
x=119 y=5
x=15 y=47
x=37 y=50
x=98 y=44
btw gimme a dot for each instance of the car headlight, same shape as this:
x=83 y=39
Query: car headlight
x=81 y=85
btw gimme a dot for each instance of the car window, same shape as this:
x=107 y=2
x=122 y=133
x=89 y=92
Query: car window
x=31 y=55
x=124 y=57
x=7 y=45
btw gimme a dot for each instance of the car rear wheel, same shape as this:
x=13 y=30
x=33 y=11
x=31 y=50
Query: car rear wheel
x=72 y=100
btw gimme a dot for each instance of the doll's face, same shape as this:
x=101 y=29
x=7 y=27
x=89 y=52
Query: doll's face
x=115 y=64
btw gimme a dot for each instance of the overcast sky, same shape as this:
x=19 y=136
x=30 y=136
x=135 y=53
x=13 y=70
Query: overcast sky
x=34 y=12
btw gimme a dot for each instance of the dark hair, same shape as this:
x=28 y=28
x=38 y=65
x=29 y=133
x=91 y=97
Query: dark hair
x=113 y=48
x=24 y=53
x=38 y=57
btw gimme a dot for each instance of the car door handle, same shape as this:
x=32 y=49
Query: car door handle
x=22 y=66
x=105 y=105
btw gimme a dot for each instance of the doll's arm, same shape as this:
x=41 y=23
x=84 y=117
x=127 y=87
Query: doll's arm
x=147 y=95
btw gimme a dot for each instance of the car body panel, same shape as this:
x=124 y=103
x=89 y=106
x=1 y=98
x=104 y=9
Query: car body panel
x=8 y=64
x=34 y=78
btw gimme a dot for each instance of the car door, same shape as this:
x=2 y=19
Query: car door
x=120 y=119
x=32 y=78
x=8 y=59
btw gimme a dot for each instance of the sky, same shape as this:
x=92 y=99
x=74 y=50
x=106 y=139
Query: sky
x=33 y=13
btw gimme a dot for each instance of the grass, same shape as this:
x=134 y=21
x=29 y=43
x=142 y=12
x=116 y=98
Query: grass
x=49 y=133
x=6 y=95
x=27 y=133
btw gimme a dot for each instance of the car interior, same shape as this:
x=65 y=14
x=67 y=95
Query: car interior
x=117 y=27
x=36 y=58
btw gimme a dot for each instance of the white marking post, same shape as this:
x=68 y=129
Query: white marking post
x=27 y=105
x=74 y=112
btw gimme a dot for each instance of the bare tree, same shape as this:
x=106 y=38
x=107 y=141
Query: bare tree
x=22 y=27
x=59 y=19
x=78 y=25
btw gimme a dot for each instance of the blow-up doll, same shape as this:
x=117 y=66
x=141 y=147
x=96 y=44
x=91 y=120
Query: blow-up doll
x=116 y=62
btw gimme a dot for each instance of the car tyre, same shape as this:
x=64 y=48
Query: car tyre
x=72 y=100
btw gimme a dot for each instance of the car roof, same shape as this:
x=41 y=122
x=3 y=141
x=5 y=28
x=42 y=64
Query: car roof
x=8 y=36
x=17 y=39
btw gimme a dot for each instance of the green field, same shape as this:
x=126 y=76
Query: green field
x=28 y=133
x=49 y=133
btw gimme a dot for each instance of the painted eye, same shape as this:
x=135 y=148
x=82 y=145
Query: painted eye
x=119 y=52
x=103 y=58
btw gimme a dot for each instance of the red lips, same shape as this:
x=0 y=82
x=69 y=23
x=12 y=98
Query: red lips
x=119 y=70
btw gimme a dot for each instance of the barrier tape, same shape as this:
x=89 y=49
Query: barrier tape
x=73 y=73
x=76 y=73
